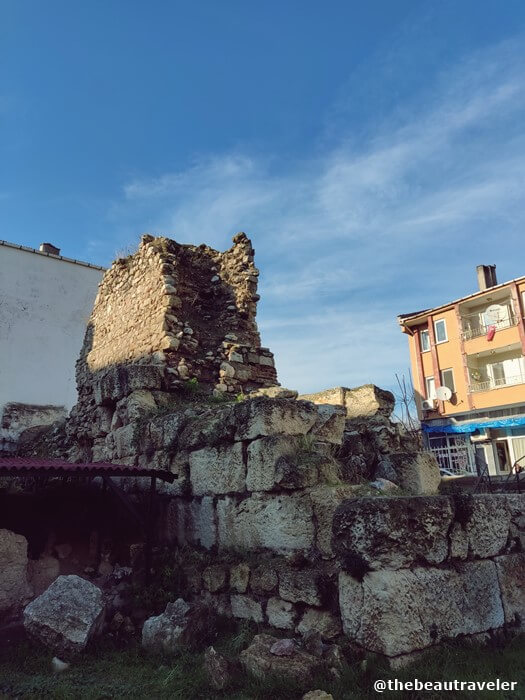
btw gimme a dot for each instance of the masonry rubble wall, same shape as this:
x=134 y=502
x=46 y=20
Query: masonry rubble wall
x=273 y=532
x=168 y=315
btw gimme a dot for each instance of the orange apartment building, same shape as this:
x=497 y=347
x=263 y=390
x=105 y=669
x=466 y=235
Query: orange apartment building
x=468 y=369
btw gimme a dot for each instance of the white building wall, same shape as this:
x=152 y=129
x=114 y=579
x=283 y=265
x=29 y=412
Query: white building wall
x=45 y=304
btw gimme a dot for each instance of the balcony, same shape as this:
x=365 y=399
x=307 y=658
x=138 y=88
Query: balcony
x=496 y=369
x=497 y=383
x=476 y=325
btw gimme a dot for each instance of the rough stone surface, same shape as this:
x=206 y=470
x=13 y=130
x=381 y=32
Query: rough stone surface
x=325 y=500
x=239 y=577
x=246 y=608
x=257 y=659
x=66 y=616
x=216 y=668
x=397 y=612
x=417 y=473
x=277 y=522
x=217 y=470
x=330 y=424
x=14 y=588
x=362 y=401
x=326 y=623
x=301 y=586
x=281 y=613
x=164 y=316
x=370 y=533
x=275 y=392
x=268 y=460
x=487 y=521
x=163 y=633
x=42 y=572
x=317 y=695
x=260 y=417
x=511 y=577
x=214 y=577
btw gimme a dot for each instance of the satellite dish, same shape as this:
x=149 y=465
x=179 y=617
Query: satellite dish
x=443 y=393
x=494 y=313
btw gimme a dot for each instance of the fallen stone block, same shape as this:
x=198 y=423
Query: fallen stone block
x=66 y=616
x=258 y=660
x=162 y=633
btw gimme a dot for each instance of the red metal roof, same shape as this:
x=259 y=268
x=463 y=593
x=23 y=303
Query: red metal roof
x=19 y=466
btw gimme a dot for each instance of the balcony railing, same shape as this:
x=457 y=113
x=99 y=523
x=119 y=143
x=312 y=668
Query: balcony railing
x=478 y=328
x=490 y=384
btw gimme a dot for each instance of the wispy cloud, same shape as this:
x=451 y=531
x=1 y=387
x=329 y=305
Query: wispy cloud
x=351 y=237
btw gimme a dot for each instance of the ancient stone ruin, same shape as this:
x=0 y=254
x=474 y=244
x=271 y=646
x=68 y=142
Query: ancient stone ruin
x=164 y=316
x=318 y=515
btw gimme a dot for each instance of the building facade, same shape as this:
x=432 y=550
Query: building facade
x=45 y=303
x=468 y=368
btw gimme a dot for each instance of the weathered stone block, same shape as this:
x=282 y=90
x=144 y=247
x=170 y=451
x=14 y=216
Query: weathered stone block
x=191 y=523
x=258 y=660
x=265 y=461
x=301 y=586
x=261 y=416
x=281 y=614
x=211 y=428
x=363 y=401
x=239 y=577
x=124 y=441
x=66 y=616
x=264 y=579
x=416 y=472
x=246 y=608
x=14 y=588
x=486 y=521
x=326 y=623
x=163 y=431
x=330 y=424
x=325 y=500
x=132 y=408
x=398 y=612
x=281 y=523
x=373 y=533
x=214 y=577
x=511 y=577
x=217 y=470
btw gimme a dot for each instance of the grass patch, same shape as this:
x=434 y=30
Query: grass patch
x=109 y=671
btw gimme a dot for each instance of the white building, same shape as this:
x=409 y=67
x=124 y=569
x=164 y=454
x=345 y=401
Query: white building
x=45 y=304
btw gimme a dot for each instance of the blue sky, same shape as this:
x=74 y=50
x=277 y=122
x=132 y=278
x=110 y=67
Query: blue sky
x=374 y=152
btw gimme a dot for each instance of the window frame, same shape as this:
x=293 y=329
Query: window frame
x=429 y=397
x=427 y=335
x=444 y=322
x=451 y=370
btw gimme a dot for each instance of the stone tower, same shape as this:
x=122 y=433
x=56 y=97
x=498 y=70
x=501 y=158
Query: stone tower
x=165 y=316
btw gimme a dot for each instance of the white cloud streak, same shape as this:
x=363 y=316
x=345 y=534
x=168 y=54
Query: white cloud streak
x=351 y=237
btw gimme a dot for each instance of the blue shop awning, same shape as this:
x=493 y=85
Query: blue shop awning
x=472 y=427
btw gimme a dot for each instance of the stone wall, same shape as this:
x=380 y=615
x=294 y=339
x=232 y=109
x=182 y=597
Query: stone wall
x=416 y=571
x=168 y=315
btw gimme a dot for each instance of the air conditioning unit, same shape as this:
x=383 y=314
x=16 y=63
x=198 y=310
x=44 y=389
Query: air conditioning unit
x=428 y=405
x=482 y=436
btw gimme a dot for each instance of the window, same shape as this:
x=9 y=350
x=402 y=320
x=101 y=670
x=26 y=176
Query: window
x=430 y=386
x=447 y=379
x=440 y=329
x=424 y=340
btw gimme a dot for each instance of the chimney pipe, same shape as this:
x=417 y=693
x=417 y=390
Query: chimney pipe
x=486 y=277
x=49 y=248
